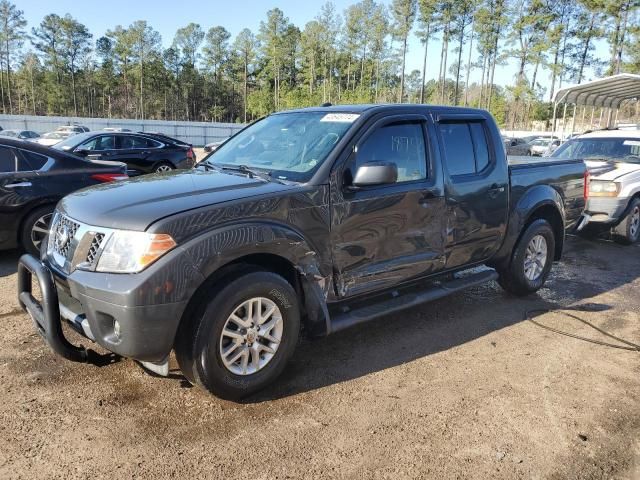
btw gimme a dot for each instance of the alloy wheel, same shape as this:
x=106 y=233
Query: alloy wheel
x=251 y=336
x=535 y=258
x=40 y=230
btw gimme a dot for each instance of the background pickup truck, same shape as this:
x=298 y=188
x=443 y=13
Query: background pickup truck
x=319 y=218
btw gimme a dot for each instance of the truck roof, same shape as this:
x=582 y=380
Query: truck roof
x=373 y=107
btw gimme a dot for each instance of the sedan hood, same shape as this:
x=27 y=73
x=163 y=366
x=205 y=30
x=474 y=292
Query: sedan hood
x=610 y=171
x=137 y=203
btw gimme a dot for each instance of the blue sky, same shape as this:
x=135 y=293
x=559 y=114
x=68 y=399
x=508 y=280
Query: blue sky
x=167 y=16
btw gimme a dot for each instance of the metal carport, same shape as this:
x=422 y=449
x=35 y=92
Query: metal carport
x=606 y=93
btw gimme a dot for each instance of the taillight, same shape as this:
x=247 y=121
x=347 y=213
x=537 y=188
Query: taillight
x=587 y=179
x=190 y=154
x=109 y=177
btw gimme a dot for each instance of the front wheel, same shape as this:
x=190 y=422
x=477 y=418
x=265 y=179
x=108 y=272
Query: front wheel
x=627 y=232
x=243 y=337
x=531 y=260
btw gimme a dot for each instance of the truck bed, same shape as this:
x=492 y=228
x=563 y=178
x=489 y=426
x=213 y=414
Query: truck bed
x=565 y=176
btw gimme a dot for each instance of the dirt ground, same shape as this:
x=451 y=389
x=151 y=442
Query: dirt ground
x=464 y=387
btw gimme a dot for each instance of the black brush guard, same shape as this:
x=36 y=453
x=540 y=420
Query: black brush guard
x=45 y=316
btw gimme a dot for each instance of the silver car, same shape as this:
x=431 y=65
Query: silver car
x=613 y=161
x=517 y=146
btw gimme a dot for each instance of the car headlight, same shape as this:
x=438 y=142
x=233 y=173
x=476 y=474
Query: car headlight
x=603 y=189
x=132 y=252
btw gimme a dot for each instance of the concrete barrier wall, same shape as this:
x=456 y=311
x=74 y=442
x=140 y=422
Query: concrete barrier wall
x=196 y=133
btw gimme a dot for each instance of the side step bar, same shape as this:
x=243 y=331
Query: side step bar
x=397 y=301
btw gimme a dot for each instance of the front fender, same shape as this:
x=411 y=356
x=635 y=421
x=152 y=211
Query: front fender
x=224 y=245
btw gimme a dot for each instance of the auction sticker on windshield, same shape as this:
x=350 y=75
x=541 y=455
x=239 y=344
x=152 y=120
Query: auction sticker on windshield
x=340 y=117
x=632 y=143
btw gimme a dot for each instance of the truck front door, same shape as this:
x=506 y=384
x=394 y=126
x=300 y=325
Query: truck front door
x=383 y=235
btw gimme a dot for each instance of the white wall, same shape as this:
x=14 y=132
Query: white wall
x=196 y=133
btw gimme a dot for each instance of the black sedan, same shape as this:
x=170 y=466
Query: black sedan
x=32 y=180
x=143 y=153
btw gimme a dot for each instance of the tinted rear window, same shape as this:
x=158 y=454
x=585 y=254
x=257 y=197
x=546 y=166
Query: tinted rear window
x=458 y=147
x=7 y=160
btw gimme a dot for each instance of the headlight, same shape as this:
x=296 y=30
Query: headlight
x=603 y=189
x=131 y=252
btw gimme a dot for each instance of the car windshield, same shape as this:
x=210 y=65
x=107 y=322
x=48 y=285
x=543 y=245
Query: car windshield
x=289 y=146
x=541 y=142
x=71 y=141
x=608 y=149
x=54 y=135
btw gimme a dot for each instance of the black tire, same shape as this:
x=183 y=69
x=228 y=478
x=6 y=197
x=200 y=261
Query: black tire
x=627 y=232
x=163 y=167
x=513 y=278
x=198 y=342
x=33 y=224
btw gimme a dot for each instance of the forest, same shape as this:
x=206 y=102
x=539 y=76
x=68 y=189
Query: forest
x=58 y=67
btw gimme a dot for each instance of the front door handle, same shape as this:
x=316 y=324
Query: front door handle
x=18 y=184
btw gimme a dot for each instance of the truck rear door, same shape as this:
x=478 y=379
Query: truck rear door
x=383 y=235
x=476 y=187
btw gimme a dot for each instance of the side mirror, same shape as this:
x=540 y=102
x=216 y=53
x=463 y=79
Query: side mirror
x=375 y=173
x=83 y=152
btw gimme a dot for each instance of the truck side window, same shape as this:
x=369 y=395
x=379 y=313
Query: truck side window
x=465 y=145
x=400 y=143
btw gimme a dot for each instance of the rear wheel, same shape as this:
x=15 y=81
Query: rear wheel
x=243 y=337
x=35 y=228
x=531 y=260
x=627 y=232
x=163 y=167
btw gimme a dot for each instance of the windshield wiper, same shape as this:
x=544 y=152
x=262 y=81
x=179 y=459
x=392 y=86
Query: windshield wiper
x=250 y=172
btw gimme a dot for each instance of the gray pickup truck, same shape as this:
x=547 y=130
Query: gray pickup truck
x=314 y=219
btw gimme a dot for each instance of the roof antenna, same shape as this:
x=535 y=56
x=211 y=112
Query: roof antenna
x=327 y=104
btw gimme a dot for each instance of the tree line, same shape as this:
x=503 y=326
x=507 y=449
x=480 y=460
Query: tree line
x=359 y=55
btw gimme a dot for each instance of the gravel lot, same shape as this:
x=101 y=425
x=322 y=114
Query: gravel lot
x=463 y=387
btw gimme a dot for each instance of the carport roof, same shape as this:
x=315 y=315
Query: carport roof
x=606 y=92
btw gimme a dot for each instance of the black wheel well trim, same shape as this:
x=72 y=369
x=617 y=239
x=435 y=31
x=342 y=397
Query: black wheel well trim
x=550 y=213
x=309 y=285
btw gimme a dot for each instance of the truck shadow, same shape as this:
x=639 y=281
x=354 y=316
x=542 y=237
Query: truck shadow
x=589 y=268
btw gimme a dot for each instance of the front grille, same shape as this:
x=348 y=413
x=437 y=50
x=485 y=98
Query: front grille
x=63 y=233
x=94 y=248
x=74 y=244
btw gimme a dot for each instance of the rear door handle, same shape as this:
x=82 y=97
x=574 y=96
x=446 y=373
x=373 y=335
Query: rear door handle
x=18 y=184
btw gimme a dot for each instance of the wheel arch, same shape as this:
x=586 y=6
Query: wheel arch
x=226 y=253
x=539 y=202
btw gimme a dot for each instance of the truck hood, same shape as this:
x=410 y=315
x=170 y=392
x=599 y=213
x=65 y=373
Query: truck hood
x=137 y=203
x=602 y=170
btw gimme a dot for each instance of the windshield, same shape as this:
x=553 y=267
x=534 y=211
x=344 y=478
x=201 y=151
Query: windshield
x=614 y=149
x=290 y=146
x=541 y=142
x=54 y=135
x=72 y=141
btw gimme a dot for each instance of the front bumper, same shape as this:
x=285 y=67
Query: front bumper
x=107 y=310
x=606 y=210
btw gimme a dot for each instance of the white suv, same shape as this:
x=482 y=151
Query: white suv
x=613 y=161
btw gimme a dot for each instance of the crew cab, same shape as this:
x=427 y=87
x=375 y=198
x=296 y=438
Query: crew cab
x=613 y=160
x=318 y=218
